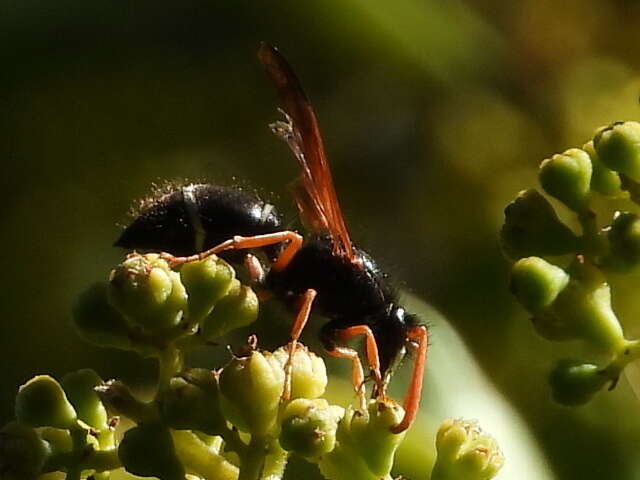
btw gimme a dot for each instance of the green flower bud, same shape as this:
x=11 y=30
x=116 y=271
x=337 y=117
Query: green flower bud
x=201 y=459
x=148 y=292
x=59 y=440
x=309 y=427
x=251 y=388
x=536 y=283
x=79 y=387
x=192 y=403
x=603 y=180
x=148 y=450
x=237 y=309
x=624 y=241
x=41 y=402
x=117 y=396
x=98 y=322
x=206 y=281
x=574 y=382
x=567 y=177
x=22 y=452
x=583 y=308
x=531 y=227
x=308 y=374
x=465 y=451
x=365 y=446
x=618 y=147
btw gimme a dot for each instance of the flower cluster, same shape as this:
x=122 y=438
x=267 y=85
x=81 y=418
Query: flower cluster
x=226 y=424
x=560 y=276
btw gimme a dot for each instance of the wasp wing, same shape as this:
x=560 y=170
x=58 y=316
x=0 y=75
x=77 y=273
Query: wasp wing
x=317 y=201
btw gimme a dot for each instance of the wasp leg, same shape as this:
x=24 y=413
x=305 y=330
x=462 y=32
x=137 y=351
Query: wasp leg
x=238 y=243
x=420 y=335
x=296 y=331
x=357 y=374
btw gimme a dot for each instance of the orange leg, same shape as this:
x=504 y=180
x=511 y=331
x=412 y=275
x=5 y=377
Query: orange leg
x=371 y=350
x=412 y=399
x=296 y=331
x=357 y=374
x=239 y=243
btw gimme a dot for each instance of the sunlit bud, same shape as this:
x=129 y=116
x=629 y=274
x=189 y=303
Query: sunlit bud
x=59 y=440
x=624 y=241
x=309 y=427
x=206 y=281
x=200 y=458
x=251 y=388
x=22 y=452
x=574 y=382
x=567 y=177
x=192 y=403
x=41 y=402
x=603 y=180
x=238 y=308
x=618 y=147
x=118 y=397
x=148 y=450
x=531 y=227
x=584 y=309
x=98 y=322
x=148 y=292
x=536 y=283
x=308 y=374
x=365 y=447
x=466 y=452
x=79 y=387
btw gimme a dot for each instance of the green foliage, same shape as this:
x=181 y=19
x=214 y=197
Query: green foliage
x=569 y=297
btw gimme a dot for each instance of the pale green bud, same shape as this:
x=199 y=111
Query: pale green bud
x=308 y=374
x=237 y=309
x=206 y=281
x=98 y=322
x=575 y=382
x=251 y=388
x=365 y=447
x=148 y=451
x=22 y=452
x=567 y=177
x=603 y=180
x=618 y=147
x=41 y=402
x=536 y=283
x=148 y=292
x=79 y=387
x=466 y=452
x=59 y=440
x=531 y=227
x=309 y=427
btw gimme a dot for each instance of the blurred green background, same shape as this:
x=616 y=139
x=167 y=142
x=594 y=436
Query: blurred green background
x=435 y=114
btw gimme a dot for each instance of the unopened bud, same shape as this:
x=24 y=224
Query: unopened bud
x=567 y=177
x=308 y=373
x=22 y=452
x=531 y=227
x=309 y=427
x=148 y=451
x=624 y=242
x=41 y=402
x=536 y=283
x=79 y=387
x=465 y=451
x=251 y=388
x=365 y=446
x=575 y=382
x=148 y=292
x=603 y=180
x=238 y=308
x=206 y=281
x=98 y=322
x=618 y=147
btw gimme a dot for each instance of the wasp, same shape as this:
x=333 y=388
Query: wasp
x=324 y=271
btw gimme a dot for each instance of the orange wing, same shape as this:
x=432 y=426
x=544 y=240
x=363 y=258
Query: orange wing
x=318 y=202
